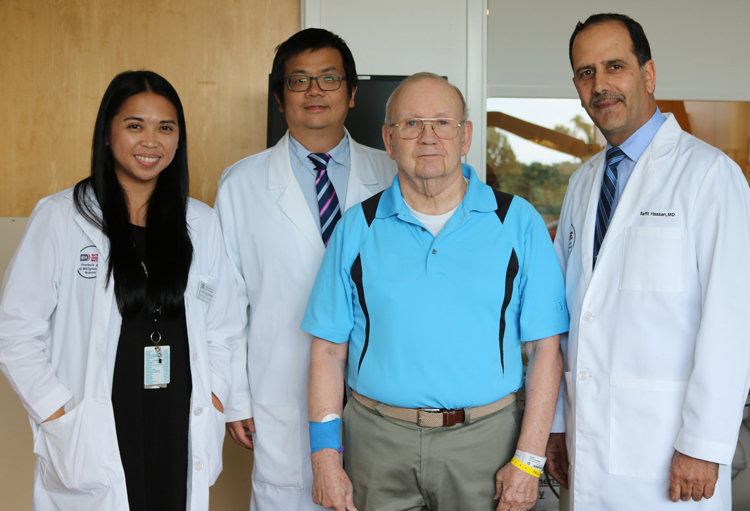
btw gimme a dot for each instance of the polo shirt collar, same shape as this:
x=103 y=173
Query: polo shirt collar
x=478 y=197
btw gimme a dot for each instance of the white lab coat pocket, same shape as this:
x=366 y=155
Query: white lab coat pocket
x=215 y=464
x=69 y=459
x=646 y=416
x=653 y=259
x=278 y=449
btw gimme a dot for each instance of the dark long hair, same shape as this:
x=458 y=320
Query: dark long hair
x=101 y=200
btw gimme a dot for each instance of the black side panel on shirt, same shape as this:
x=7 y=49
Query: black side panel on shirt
x=370 y=207
x=357 y=278
x=510 y=275
x=503 y=204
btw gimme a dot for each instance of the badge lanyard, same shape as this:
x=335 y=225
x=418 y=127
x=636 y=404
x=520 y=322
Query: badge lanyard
x=156 y=359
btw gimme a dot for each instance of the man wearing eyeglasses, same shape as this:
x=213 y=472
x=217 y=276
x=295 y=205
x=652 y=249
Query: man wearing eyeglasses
x=278 y=209
x=427 y=291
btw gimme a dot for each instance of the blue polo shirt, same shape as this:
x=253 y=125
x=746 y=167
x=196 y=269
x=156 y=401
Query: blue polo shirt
x=438 y=321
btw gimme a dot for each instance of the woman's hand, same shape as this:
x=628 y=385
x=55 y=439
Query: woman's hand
x=59 y=413
x=217 y=404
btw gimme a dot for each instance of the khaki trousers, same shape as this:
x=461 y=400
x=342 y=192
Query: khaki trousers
x=396 y=465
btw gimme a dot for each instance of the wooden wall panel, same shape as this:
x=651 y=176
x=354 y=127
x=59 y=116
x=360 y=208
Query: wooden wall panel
x=725 y=125
x=59 y=56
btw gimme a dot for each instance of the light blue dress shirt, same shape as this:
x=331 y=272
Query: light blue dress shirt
x=304 y=171
x=633 y=148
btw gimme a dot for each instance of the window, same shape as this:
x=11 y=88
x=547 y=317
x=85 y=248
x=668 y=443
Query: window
x=535 y=145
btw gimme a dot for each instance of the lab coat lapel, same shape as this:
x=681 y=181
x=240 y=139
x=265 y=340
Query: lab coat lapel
x=592 y=184
x=95 y=235
x=292 y=201
x=96 y=386
x=360 y=174
x=643 y=180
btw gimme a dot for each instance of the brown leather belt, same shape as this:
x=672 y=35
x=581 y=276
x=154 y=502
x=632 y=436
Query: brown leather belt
x=431 y=417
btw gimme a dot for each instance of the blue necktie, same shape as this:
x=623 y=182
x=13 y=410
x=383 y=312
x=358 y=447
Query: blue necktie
x=607 y=197
x=328 y=203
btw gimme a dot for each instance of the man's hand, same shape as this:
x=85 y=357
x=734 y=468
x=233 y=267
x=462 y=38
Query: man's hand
x=331 y=486
x=239 y=430
x=692 y=478
x=516 y=490
x=557 y=458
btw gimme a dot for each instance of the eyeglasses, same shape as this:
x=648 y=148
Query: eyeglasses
x=444 y=128
x=301 y=83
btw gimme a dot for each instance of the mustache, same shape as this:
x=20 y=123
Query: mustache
x=605 y=96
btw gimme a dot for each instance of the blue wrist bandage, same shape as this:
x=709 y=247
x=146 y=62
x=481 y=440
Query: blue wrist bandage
x=325 y=434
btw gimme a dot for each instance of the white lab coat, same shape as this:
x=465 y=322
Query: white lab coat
x=276 y=245
x=58 y=322
x=659 y=343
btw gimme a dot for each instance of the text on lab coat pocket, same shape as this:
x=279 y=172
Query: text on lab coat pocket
x=653 y=259
x=646 y=416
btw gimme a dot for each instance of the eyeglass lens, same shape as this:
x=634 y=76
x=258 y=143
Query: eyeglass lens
x=301 y=83
x=444 y=128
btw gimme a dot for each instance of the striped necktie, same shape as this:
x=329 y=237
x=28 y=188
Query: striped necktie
x=328 y=203
x=604 y=210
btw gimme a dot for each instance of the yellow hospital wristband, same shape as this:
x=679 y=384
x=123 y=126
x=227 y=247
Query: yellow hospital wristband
x=523 y=466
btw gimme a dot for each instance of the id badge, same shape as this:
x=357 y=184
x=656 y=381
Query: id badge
x=155 y=367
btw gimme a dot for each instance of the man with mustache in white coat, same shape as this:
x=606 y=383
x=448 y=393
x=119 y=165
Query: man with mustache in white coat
x=278 y=209
x=654 y=242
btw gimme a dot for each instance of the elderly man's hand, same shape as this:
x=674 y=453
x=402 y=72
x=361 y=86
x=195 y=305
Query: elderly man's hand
x=557 y=458
x=516 y=490
x=331 y=486
x=691 y=478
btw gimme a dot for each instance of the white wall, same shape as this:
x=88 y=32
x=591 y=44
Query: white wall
x=700 y=48
x=403 y=37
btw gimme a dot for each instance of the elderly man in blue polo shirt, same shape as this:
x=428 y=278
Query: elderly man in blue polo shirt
x=427 y=291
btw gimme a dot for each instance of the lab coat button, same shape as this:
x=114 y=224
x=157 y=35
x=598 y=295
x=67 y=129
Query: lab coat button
x=198 y=411
x=584 y=375
x=588 y=317
x=195 y=356
x=198 y=465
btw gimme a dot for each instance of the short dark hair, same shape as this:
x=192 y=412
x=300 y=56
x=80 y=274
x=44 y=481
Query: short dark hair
x=311 y=39
x=641 y=48
x=102 y=201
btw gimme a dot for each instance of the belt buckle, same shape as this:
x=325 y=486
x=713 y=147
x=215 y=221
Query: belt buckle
x=450 y=417
x=425 y=410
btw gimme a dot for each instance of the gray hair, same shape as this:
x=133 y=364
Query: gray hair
x=415 y=78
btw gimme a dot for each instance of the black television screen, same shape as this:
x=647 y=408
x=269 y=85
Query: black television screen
x=364 y=121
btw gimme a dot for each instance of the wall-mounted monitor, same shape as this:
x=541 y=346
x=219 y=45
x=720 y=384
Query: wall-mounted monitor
x=364 y=121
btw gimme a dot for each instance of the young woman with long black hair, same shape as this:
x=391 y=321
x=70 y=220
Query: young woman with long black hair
x=118 y=316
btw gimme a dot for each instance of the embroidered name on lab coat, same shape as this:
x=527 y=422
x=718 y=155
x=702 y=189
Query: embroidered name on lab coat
x=658 y=213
